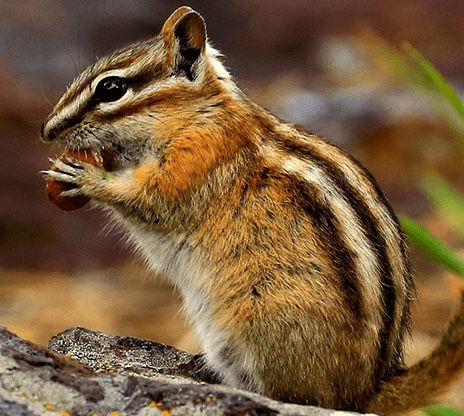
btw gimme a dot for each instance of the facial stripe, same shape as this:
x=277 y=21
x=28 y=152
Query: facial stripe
x=167 y=91
x=67 y=116
x=127 y=63
x=74 y=113
x=142 y=64
x=139 y=67
x=123 y=60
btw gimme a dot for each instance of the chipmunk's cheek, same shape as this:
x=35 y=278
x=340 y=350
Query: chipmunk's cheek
x=108 y=160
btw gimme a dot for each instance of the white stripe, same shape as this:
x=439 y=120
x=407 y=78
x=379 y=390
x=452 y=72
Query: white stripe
x=73 y=108
x=68 y=111
x=351 y=230
x=387 y=226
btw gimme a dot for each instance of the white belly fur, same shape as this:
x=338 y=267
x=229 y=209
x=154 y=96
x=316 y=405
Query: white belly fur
x=163 y=256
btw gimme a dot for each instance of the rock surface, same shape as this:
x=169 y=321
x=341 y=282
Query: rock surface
x=89 y=373
x=129 y=356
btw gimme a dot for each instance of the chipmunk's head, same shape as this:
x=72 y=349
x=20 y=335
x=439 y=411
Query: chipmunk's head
x=139 y=96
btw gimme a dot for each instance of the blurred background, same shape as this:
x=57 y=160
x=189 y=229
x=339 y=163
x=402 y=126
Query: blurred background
x=334 y=67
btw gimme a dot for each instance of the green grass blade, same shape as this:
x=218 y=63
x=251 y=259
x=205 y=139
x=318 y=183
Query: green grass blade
x=440 y=83
x=414 y=70
x=446 y=199
x=440 y=410
x=433 y=246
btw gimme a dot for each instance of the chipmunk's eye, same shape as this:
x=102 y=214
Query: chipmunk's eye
x=110 y=89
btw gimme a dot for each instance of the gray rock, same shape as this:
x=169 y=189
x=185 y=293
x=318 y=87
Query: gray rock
x=89 y=373
x=129 y=355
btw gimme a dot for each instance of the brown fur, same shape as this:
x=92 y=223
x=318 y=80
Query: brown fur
x=429 y=378
x=292 y=264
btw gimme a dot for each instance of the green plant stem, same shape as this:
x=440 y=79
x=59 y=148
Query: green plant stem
x=434 y=247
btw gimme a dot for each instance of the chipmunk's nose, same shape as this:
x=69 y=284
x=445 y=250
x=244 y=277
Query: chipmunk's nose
x=47 y=133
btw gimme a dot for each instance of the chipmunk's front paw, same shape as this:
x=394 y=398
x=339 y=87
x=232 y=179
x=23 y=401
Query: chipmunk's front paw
x=83 y=178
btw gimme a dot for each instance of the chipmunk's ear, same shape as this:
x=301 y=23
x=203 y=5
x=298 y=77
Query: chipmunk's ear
x=185 y=34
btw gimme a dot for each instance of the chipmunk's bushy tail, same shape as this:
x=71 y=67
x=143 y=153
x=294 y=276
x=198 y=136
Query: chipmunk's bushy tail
x=420 y=384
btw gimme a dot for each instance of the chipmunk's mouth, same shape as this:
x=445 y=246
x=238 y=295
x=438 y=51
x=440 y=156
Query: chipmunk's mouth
x=103 y=157
x=108 y=149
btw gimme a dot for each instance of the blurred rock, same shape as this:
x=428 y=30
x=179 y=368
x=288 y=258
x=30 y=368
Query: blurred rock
x=267 y=46
x=123 y=300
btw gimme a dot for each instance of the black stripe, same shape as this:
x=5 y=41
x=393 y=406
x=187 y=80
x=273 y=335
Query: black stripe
x=408 y=277
x=118 y=60
x=373 y=233
x=134 y=108
x=327 y=226
x=136 y=83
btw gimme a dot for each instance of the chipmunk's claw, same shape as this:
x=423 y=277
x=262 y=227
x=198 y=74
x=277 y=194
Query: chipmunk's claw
x=81 y=177
x=71 y=193
x=60 y=176
x=73 y=162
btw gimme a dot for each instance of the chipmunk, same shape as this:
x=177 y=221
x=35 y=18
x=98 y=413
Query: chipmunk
x=292 y=265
